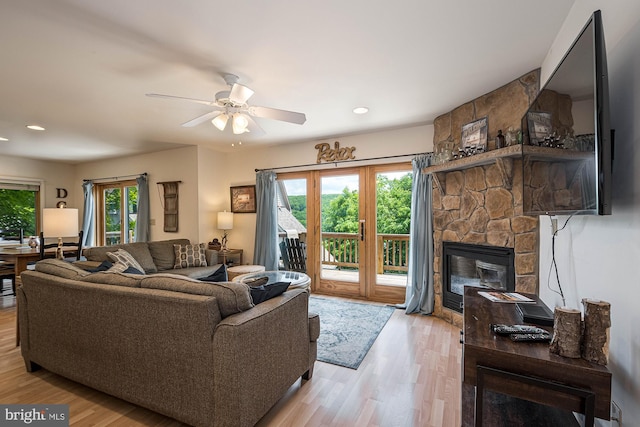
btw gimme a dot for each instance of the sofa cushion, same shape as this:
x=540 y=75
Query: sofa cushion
x=104 y=266
x=114 y=278
x=139 y=250
x=189 y=256
x=163 y=254
x=231 y=297
x=123 y=260
x=60 y=268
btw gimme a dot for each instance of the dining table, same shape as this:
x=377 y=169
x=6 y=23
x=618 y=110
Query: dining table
x=19 y=256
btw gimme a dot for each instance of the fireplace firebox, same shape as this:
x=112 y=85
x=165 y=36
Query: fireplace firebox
x=474 y=265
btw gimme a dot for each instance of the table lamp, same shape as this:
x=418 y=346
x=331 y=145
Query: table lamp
x=225 y=223
x=59 y=222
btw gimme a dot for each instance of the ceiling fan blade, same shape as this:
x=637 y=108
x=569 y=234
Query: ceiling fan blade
x=254 y=127
x=240 y=94
x=198 y=101
x=201 y=119
x=275 y=114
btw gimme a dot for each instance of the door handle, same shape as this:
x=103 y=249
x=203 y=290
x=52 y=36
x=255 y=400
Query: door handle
x=362 y=230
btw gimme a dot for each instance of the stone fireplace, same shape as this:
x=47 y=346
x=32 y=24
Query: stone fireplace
x=478 y=200
x=483 y=205
x=482 y=266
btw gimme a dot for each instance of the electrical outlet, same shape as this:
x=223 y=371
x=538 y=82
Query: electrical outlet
x=152 y=221
x=554 y=225
x=616 y=413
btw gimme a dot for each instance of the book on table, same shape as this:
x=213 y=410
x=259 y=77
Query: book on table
x=512 y=297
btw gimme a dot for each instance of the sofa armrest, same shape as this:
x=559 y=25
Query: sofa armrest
x=260 y=352
x=314 y=327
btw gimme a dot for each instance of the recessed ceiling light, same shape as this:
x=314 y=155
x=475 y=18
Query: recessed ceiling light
x=3 y=139
x=35 y=127
x=361 y=110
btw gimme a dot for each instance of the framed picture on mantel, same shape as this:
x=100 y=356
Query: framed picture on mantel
x=474 y=136
x=243 y=199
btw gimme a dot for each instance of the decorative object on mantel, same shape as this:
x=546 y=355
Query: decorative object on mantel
x=500 y=140
x=597 y=322
x=336 y=154
x=474 y=136
x=170 y=205
x=567 y=332
x=243 y=199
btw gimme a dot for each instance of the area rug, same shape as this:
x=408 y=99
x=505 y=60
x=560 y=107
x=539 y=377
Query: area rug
x=347 y=329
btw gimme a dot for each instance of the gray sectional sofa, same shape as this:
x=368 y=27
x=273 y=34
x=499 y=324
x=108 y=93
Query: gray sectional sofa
x=154 y=257
x=199 y=352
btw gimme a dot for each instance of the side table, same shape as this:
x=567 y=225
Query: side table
x=228 y=254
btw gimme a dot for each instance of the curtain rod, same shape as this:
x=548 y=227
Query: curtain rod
x=341 y=162
x=116 y=177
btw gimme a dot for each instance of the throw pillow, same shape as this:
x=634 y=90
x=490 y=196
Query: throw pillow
x=264 y=292
x=132 y=270
x=104 y=266
x=125 y=258
x=190 y=256
x=220 y=275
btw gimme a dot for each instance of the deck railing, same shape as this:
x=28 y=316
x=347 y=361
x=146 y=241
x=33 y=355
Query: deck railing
x=342 y=250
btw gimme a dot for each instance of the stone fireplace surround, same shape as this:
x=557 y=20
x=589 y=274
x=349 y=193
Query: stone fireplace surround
x=480 y=202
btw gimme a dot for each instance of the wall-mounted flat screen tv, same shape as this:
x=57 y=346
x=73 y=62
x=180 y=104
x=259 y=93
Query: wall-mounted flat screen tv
x=567 y=138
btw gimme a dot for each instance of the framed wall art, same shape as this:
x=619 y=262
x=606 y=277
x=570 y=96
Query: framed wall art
x=243 y=199
x=474 y=135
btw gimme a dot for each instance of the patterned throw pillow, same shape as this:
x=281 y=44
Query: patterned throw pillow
x=190 y=256
x=123 y=260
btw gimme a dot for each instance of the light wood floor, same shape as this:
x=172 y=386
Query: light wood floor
x=410 y=377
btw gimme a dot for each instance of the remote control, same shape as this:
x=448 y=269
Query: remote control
x=516 y=329
x=531 y=337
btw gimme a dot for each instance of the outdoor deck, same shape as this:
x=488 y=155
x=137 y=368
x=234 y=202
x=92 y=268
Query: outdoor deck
x=352 y=276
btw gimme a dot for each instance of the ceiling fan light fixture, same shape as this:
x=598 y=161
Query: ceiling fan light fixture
x=220 y=121
x=240 y=123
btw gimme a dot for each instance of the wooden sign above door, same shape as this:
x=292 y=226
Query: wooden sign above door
x=336 y=154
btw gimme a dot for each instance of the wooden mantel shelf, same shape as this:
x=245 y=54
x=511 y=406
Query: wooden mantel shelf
x=515 y=151
x=476 y=160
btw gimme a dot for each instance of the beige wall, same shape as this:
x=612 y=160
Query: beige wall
x=240 y=166
x=206 y=176
x=50 y=175
x=171 y=165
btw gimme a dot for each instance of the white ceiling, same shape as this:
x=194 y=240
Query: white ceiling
x=81 y=68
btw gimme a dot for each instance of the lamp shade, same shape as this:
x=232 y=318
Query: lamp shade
x=220 y=121
x=60 y=222
x=225 y=220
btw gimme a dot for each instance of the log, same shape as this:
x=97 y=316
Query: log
x=597 y=324
x=567 y=332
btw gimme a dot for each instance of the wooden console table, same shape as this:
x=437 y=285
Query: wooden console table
x=525 y=371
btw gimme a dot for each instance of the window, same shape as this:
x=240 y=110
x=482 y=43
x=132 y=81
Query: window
x=117 y=208
x=19 y=209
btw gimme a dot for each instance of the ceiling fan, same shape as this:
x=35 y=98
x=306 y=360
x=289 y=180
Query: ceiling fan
x=232 y=104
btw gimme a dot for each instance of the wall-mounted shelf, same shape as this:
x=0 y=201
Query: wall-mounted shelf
x=515 y=151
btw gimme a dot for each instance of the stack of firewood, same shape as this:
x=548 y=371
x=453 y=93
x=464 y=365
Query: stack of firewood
x=588 y=338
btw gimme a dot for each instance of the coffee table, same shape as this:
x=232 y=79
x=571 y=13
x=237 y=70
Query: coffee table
x=298 y=280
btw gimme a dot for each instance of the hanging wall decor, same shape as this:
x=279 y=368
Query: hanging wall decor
x=170 y=205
